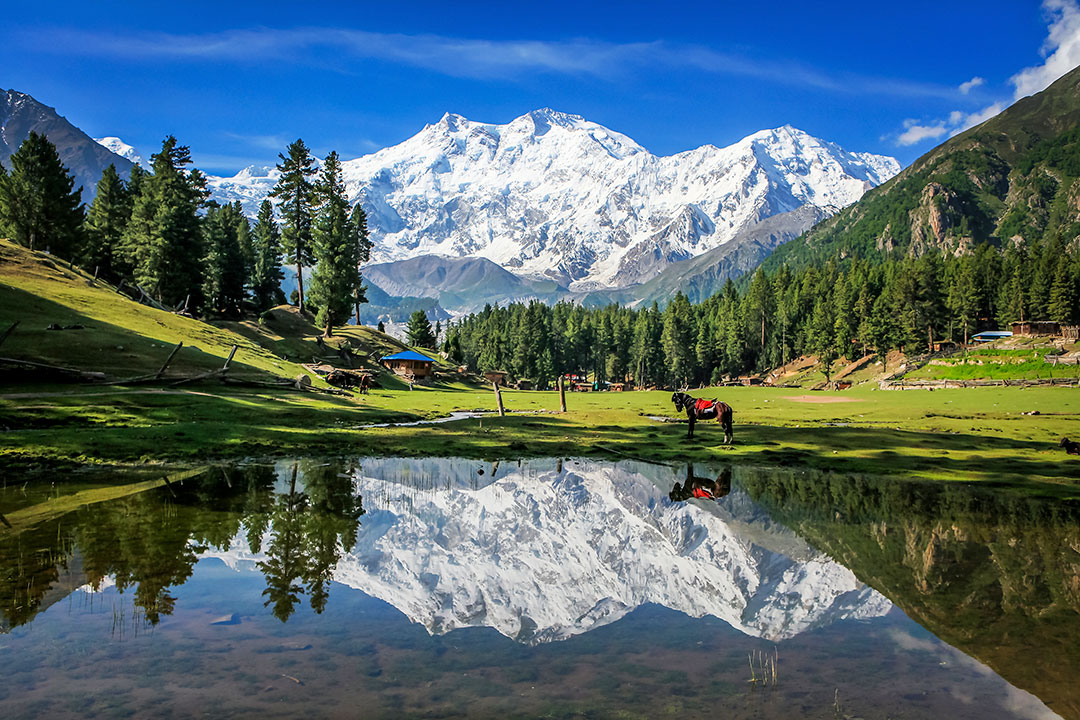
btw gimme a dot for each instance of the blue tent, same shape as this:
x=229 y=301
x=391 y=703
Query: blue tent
x=991 y=335
x=409 y=355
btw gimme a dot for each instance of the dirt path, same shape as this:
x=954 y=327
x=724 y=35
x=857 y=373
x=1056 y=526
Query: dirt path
x=821 y=399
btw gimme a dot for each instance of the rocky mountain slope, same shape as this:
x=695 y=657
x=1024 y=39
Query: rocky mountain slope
x=552 y=195
x=84 y=157
x=544 y=550
x=1014 y=178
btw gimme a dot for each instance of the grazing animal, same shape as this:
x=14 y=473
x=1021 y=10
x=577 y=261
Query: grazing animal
x=1071 y=447
x=700 y=409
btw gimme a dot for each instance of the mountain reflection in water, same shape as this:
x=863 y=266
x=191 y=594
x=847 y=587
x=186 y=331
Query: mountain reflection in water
x=548 y=550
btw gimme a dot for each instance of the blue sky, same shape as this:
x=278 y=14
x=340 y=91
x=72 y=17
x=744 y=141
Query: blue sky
x=237 y=81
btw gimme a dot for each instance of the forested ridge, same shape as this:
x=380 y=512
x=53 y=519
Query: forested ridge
x=159 y=232
x=846 y=308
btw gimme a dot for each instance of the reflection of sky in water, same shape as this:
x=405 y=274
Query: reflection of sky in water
x=496 y=565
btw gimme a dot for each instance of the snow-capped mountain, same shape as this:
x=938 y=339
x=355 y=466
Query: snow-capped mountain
x=121 y=148
x=543 y=550
x=250 y=187
x=553 y=195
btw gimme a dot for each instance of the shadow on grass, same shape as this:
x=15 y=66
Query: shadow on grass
x=117 y=351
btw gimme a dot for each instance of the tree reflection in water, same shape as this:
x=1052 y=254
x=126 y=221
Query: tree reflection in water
x=994 y=574
x=149 y=542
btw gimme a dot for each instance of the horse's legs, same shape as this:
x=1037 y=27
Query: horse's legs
x=690 y=426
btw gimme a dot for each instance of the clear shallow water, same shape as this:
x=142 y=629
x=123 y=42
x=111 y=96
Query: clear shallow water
x=555 y=588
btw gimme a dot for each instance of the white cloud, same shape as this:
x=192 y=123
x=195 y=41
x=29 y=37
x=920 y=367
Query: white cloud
x=1061 y=49
x=971 y=84
x=916 y=133
x=1062 y=52
x=462 y=57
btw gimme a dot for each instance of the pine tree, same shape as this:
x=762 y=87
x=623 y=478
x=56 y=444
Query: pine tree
x=295 y=195
x=224 y=267
x=163 y=240
x=105 y=223
x=336 y=279
x=646 y=353
x=679 y=340
x=359 y=231
x=266 y=273
x=963 y=298
x=1061 y=307
x=419 y=330
x=822 y=337
x=39 y=206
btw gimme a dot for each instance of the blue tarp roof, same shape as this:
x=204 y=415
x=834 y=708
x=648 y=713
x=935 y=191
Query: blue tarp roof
x=409 y=355
x=991 y=335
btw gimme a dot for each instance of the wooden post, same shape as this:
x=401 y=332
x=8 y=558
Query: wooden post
x=498 y=399
x=229 y=359
x=7 y=332
x=169 y=360
x=562 y=394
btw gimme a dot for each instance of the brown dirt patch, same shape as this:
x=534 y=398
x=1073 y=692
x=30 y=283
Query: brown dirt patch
x=821 y=399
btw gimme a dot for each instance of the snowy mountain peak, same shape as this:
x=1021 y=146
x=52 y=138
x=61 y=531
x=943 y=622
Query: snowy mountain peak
x=121 y=148
x=553 y=195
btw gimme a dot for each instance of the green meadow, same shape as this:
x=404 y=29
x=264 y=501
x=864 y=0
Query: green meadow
x=1002 y=436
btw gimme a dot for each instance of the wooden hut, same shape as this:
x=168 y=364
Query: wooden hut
x=410 y=365
x=1036 y=327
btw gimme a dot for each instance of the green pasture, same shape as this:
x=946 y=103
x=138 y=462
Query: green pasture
x=988 y=435
x=982 y=435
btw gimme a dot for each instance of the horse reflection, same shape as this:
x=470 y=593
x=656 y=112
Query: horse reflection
x=701 y=487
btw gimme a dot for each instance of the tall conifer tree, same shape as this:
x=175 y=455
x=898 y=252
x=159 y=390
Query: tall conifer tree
x=39 y=206
x=295 y=195
x=266 y=274
x=224 y=268
x=163 y=240
x=336 y=279
x=359 y=231
x=105 y=223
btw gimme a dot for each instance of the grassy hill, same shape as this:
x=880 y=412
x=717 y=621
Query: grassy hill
x=119 y=337
x=123 y=338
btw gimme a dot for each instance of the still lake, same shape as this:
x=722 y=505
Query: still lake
x=562 y=588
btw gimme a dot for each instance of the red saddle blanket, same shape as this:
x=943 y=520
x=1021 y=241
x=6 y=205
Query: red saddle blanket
x=702 y=404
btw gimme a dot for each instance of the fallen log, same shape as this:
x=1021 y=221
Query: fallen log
x=86 y=375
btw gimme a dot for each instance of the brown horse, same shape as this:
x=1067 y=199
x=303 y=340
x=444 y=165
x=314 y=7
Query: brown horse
x=699 y=409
